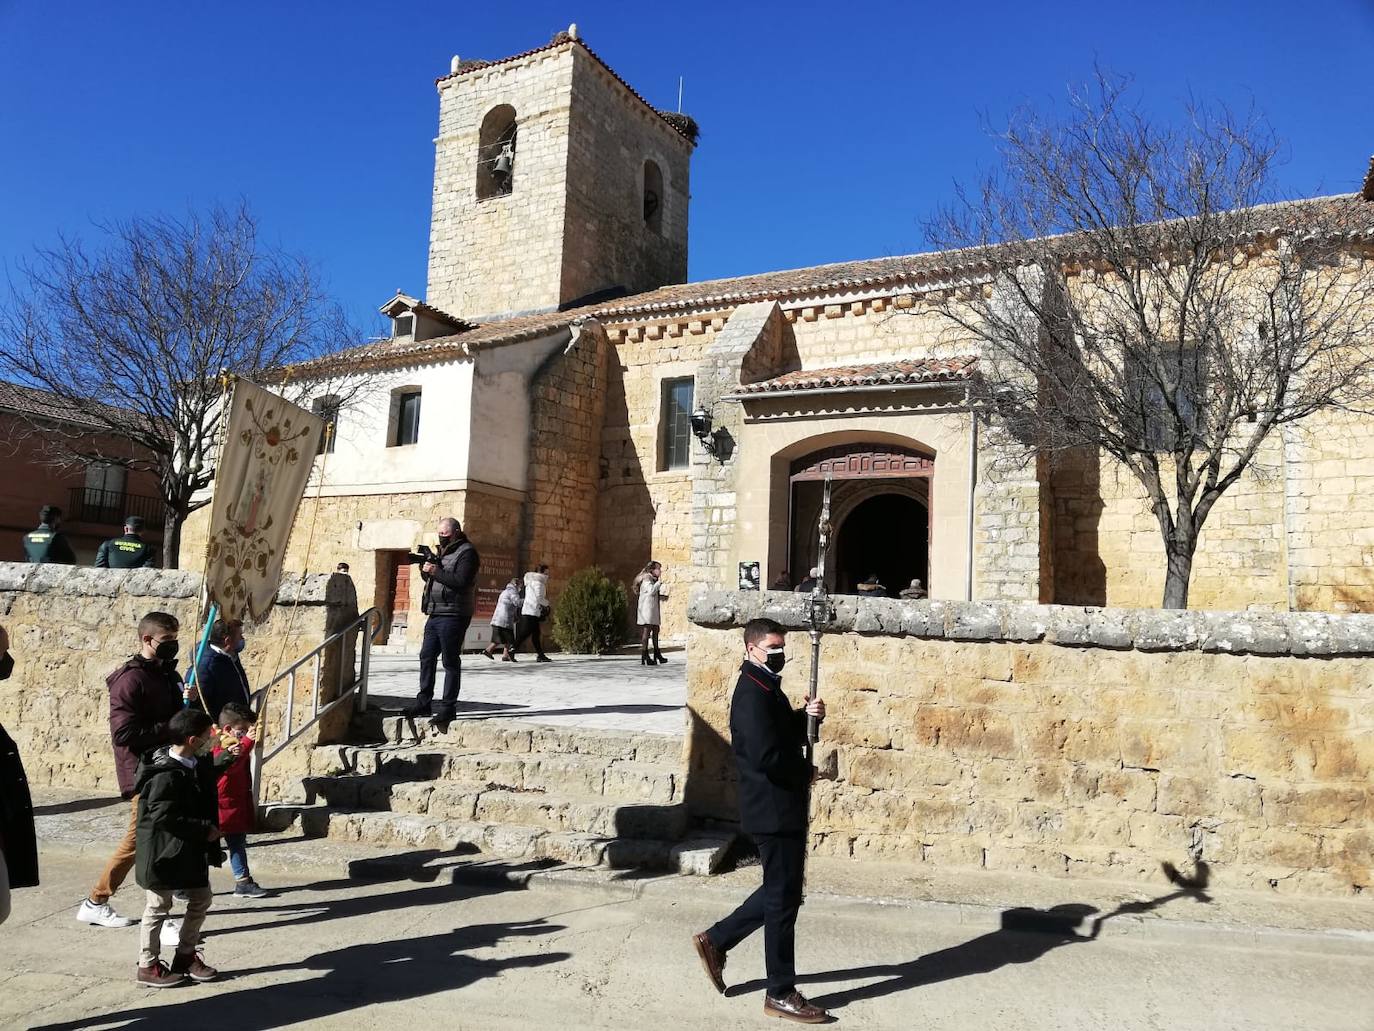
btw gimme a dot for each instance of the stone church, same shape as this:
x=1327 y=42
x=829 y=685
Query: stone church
x=543 y=388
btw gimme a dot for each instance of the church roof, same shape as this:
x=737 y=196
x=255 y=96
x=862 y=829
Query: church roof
x=1344 y=214
x=927 y=370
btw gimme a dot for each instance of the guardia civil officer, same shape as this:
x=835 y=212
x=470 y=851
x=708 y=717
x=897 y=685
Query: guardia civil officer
x=129 y=551
x=768 y=737
x=48 y=543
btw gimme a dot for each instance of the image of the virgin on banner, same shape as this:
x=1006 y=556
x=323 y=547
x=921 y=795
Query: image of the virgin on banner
x=269 y=451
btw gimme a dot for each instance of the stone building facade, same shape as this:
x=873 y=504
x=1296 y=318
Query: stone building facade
x=555 y=361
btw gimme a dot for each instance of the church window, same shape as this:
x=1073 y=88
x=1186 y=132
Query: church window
x=403 y=325
x=1152 y=379
x=496 y=153
x=327 y=408
x=653 y=196
x=404 y=423
x=675 y=424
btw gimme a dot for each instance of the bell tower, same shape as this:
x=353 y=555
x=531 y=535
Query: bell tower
x=554 y=181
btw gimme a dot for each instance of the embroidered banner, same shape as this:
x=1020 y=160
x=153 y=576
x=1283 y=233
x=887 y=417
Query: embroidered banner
x=269 y=451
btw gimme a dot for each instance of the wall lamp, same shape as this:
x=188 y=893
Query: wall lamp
x=701 y=429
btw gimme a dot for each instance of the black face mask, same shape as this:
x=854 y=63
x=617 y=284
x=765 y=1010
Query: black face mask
x=775 y=659
x=167 y=650
x=444 y=541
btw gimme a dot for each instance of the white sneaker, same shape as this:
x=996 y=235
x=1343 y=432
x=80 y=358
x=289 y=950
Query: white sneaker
x=101 y=915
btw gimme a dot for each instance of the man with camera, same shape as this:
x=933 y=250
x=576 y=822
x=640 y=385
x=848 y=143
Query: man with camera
x=450 y=590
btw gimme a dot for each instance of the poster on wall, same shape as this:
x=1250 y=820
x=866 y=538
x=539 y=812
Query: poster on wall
x=498 y=566
x=748 y=576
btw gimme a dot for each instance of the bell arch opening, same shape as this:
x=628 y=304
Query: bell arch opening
x=496 y=153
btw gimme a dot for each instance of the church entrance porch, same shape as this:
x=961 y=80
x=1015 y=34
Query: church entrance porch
x=879 y=510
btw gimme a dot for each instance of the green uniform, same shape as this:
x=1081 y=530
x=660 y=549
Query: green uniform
x=48 y=545
x=127 y=551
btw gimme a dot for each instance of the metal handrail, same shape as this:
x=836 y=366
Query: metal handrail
x=370 y=622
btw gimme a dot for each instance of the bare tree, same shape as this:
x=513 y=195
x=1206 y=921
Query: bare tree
x=1139 y=296
x=132 y=338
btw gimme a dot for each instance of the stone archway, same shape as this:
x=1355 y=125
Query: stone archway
x=880 y=513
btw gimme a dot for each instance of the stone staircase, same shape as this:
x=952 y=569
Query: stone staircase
x=511 y=790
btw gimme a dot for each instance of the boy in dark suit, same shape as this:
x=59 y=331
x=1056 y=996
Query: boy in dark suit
x=769 y=739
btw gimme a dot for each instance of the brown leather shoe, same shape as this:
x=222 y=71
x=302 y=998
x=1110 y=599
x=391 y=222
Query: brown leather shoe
x=713 y=959
x=191 y=965
x=794 y=1006
x=158 y=976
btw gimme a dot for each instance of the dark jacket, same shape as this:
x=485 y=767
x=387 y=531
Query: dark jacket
x=220 y=679
x=144 y=695
x=452 y=590
x=177 y=806
x=48 y=545
x=768 y=737
x=17 y=839
x=127 y=551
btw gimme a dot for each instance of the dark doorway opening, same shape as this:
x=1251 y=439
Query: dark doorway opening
x=887 y=535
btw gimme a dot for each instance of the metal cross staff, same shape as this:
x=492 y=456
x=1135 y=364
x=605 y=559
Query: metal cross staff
x=818 y=618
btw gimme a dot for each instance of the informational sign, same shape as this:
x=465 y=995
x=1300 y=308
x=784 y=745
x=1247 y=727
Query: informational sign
x=498 y=566
x=748 y=576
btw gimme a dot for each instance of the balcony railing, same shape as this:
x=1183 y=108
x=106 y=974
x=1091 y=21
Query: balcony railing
x=112 y=507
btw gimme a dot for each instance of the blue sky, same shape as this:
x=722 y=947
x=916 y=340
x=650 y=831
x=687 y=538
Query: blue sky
x=829 y=130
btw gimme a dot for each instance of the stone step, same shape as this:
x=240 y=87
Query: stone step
x=582 y=774
x=443 y=800
x=561 y=773
x=699 y=855
x=517 y=736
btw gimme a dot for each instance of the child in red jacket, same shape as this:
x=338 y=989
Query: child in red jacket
x=236 y=813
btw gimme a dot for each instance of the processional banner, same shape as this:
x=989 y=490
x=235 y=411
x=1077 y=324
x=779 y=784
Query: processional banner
x=265 y=463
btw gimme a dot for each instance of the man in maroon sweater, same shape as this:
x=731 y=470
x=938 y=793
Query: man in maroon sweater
x=145 y=693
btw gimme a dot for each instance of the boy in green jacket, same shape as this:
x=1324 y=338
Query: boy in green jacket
x=177 y=840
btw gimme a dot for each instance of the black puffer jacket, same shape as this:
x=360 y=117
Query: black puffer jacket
x=452 y=589
x=177 y=806
x=17 y=839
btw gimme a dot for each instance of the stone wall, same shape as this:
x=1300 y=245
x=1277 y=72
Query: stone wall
x=567 y=410
x=70 y=627
x=1071 y=741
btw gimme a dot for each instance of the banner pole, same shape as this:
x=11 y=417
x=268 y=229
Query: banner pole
x=200 y=650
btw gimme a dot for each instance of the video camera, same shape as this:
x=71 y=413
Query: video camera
x=421 y=556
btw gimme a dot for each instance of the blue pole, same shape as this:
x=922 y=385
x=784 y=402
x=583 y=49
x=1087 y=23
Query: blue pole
x=200 y=650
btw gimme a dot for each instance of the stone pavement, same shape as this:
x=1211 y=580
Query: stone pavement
x=332 y=952
x=609 y=692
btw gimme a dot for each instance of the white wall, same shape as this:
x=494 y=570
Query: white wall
x=363 y=463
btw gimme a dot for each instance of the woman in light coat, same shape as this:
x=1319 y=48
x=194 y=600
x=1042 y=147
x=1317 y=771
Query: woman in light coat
x=534 y=611
x=651 y=590
x=503 y=622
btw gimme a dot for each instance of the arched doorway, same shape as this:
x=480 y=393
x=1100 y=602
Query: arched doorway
x=879 y=510
x=884 y=535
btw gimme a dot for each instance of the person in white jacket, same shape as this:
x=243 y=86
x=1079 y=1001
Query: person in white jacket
x=649 y=584
x=503 y=622
x=534 y=611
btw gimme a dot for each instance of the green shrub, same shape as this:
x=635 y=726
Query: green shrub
x=590 y=614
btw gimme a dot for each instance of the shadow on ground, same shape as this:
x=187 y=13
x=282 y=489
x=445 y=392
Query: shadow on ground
x=351 y=977
x=79 y=805
x=1025 y=936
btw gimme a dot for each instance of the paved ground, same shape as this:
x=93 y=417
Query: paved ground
x=609 y=692
x=331 y=952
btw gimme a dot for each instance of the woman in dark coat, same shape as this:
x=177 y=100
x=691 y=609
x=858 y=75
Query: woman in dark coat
x=18 y=843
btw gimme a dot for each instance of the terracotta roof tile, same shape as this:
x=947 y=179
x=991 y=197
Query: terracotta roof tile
x=1346 y=213
x=30 y=401
x=917 y=370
